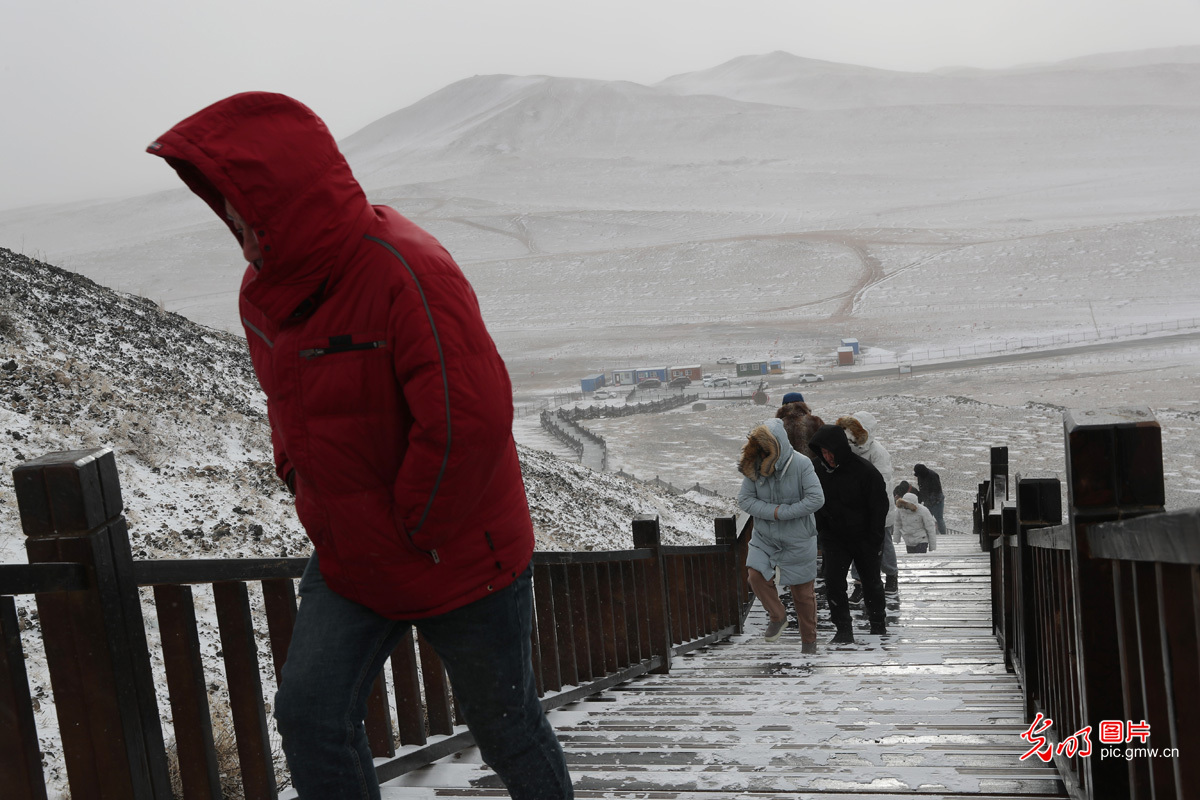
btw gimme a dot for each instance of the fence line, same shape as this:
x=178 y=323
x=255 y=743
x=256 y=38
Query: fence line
x=1099 y=617
x=600 y=619
x=564 y=425
x=667 y=486
x=551 y=424
x=1030 y=343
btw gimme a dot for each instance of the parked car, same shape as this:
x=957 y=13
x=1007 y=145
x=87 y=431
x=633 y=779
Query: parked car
x=680 y=382
x=809 y=377
x=720 y=381
x=602 y=395
x=650 y=383
x=798 y=358
x=726 y=360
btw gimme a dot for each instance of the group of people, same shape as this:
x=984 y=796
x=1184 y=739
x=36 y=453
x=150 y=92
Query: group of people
x=816 y=488
x=381 y=382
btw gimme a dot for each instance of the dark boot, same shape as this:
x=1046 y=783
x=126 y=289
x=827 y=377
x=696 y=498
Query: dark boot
x=879 y=628
x=845 y=635
x=891 y=585
x=856 y=595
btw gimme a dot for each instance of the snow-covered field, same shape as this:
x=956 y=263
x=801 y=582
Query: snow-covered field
x=766 y=207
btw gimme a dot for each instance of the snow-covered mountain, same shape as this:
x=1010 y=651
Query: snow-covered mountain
x=82 y=366
x=596 y=216
x=1159 y=77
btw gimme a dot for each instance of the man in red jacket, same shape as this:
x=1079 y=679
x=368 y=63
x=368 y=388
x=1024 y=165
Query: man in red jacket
x=391 y=421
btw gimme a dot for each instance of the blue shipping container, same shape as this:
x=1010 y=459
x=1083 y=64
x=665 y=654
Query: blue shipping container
x=592 y=382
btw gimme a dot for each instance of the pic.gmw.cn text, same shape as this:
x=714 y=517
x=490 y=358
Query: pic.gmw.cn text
x=1112 y=732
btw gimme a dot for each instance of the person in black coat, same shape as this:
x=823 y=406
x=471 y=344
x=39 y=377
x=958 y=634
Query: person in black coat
x=852 y=526
x=930 y=494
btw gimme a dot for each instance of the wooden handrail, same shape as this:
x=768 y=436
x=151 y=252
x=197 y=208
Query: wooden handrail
x=1057 y=537
x=1172 y=538
x=601 y=618
x=1099 y=617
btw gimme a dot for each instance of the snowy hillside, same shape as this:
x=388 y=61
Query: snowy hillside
x=1170 y=77
x=808 y=180
x=82 y=366
x=733 y=212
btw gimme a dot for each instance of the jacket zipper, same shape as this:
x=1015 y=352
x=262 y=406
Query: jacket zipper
x=317 y=352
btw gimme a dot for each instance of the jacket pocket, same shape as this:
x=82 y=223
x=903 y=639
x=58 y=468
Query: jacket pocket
x=346 y=343
x=347 y=375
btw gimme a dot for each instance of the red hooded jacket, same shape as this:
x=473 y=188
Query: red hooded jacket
x=390 y=408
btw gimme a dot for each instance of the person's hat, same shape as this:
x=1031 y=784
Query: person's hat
x=793 y=397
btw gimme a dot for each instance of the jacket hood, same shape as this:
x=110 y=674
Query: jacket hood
x=833 y=438
x=767 y=451
x=909 y=501
x=858 y=431
x=280 y=168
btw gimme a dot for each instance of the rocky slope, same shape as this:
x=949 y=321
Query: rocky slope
x=82 y=366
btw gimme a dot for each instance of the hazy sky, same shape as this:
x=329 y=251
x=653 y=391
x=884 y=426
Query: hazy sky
x=85 y=86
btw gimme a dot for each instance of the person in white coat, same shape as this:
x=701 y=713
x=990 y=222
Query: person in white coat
x=859 y=427
x=915 y=525
x=780 y=489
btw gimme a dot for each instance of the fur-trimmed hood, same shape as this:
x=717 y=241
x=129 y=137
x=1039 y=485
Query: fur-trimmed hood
x=800 y=424
x=858 y=428
x=767 y=451
x=909 y=501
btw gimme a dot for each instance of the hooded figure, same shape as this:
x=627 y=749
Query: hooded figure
x=391 y=419
x=915 y=525
x=781 y=491
x=800 y=424
x=388 y=402
x=929 y=492
x=858 y=427
x=852 y=527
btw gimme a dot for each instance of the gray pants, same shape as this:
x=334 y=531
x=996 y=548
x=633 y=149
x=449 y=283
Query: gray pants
x=888 y=562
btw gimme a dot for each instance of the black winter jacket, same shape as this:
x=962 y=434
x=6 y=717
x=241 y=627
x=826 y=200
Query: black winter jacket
x=929 y=487
x=856 y=497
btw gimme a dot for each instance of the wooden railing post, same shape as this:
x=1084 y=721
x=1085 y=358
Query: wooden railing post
x=646 y=535
x=21 y=764
x=95 y=641
x=731 y=578
x=1114 y=471
x=1011 y=604
x=999 y=475
x=1039 y=505
x=978 y=513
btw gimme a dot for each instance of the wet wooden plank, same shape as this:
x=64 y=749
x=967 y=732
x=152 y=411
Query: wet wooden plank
x=928 y=710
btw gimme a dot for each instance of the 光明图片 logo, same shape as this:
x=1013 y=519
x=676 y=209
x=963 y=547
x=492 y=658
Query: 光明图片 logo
x=1112 y=732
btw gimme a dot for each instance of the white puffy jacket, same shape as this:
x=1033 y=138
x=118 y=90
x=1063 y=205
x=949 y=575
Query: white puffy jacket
x=858 y=428
x=914 y=523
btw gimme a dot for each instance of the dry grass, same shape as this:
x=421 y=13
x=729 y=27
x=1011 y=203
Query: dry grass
x=229 y=769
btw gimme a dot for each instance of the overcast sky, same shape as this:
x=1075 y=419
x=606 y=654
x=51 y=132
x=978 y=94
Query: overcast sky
x=85 y=86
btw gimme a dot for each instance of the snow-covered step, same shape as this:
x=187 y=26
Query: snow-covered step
x=927 y=710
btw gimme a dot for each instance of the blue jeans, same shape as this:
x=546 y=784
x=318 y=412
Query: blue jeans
x=339 y=647
x=938 y=509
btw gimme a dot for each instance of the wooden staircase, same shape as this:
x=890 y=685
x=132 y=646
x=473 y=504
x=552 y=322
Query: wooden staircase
x=928 y=710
